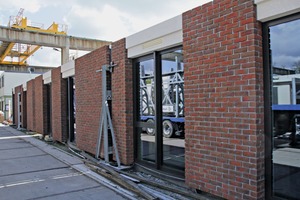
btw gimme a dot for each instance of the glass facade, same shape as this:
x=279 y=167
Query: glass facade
x=284 y=69
x=160 y=109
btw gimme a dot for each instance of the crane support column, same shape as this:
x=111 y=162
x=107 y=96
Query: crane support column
x=65 y=52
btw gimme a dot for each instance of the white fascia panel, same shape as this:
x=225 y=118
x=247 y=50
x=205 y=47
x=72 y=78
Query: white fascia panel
x=68 y=69
x=273 y=9
x=47 y=77
x=25 y=86
x=160 y=36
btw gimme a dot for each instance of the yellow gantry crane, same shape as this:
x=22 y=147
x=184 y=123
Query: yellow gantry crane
x=12 y=53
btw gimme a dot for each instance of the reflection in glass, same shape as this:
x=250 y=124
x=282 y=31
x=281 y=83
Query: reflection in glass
x=147 y=109
x=171 y=152
x=173 y=109
x=285 y=62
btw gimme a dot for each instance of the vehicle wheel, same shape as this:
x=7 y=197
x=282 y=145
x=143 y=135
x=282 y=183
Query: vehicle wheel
x=150 y=131
x=168 y=128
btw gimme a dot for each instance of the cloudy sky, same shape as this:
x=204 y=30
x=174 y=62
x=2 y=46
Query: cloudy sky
x=285 y=44
x=99 y=19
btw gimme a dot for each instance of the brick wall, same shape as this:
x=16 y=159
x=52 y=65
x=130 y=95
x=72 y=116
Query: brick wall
x=222 y=46
x=24 y=108
x=30 y=106
x=59 y=106
x=122 y=105
x=18 y=89
x=88 y=97
x=39 y=105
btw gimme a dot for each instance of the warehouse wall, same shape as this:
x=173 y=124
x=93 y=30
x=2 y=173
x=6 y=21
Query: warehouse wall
x=122 y=101
x=59 y=106
x=30 y=105
x=40 y=105
x=88 y=97
x=17 y=90
x=223 y=70
x=224 y=99
x=24 y=107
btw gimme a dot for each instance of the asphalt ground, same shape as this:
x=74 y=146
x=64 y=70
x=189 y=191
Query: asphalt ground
x=32 y=169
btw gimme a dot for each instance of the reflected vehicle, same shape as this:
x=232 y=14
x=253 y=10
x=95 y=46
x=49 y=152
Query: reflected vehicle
x=172 y=96
x=285 y=108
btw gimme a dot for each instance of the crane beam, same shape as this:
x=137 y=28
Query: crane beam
x=49 y=40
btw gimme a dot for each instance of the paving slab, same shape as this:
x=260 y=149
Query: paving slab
x=46 y=184
x=17 y=144
x=29 y=164
x=32 y=169
x=18 y=152
x=88 y=194
x=10 y=139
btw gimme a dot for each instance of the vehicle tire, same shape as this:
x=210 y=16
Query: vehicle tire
x=168 y=129
x=150 y=131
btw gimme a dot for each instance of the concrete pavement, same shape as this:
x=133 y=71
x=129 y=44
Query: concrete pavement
x=33 y=169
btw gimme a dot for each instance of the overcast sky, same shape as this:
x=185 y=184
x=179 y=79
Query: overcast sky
x=285 y=44
x=99 y=19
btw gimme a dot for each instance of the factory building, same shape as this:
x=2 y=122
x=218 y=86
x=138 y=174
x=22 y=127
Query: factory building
x=209 y=97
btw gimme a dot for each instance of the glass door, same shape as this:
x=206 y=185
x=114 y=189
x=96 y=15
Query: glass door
x=145 y=109
x=173 y=109
x=159 y=109
x=284 y=132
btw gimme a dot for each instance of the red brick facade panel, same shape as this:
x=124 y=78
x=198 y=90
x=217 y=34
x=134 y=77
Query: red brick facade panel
x=88 y=97
x=30 y=106
x=222 y=44
x=59 y=106
x=122 y=102
x=39 y=104
x=24 y=108
x=18 y=90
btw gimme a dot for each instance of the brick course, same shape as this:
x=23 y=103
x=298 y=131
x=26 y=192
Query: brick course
x=40 y=105
x=18 y=89
x=30 y=106
x=88 y=97
x=24 y=108
x=122 y=102
x=222 y=46
x=59 y=106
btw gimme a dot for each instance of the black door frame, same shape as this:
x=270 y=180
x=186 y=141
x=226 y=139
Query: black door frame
x=268 y=99
x=138 y=124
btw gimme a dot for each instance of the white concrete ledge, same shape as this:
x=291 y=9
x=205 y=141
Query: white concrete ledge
x=273 y=9
x=158 y=37
x=47 y=77
x=68 y=69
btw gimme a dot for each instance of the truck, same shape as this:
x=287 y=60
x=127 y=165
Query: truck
x=172 y=100
x=286 y=106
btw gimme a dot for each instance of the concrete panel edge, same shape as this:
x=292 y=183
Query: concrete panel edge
x=273 y=9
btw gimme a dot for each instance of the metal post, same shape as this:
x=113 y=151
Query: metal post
x=112 y=134
x=176 y=88
x=294 y=91
x=105 y=120
x=158 y=109
x=104 y=93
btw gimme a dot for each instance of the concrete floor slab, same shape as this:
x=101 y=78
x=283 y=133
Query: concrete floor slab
x=48 y=174
x=33 y=169
x=14 y=144
x=20 y=153
x=50 y=183
x=88 y=194
x=23 y=165
x=4 y=140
